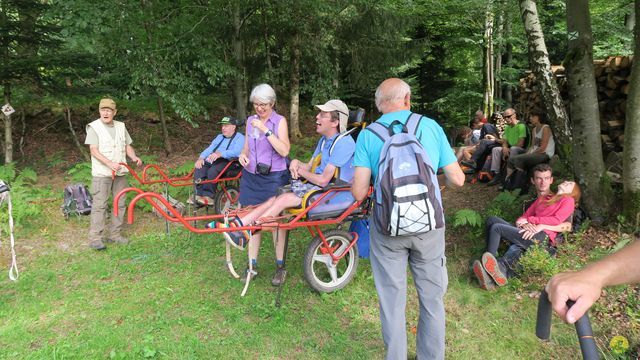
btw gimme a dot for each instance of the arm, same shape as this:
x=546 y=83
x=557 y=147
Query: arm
x=544 y=141
x=584 y=286
x=529 y=230
x=454 y=174
x=280 y=142
x=361 y=180
x=132 y=155
x=98 y=155
x=318 y=179
x=244 y=154
x=297 y=165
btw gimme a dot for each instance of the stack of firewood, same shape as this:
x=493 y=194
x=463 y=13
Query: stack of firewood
x=612 y=79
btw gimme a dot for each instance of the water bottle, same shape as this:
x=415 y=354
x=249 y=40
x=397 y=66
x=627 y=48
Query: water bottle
x=255 y=132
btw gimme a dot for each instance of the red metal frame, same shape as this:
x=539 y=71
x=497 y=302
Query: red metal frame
x=298 y=221
x=186 y=180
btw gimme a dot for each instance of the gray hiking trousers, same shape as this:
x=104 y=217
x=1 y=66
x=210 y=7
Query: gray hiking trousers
x=425 y=255
x=103 y=188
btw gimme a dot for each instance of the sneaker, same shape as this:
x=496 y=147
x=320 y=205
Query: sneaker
x=495 y=181
x=97 y=245
x=204 y=200
x=486 y=282
x=279 y=277
x=468 y=163
x=490 y=264
x=237 y=239
x=467 y=170
x=192 y=202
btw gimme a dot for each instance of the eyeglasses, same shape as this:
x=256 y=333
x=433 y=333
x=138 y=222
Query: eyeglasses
x=262 y=106
x=508 y=116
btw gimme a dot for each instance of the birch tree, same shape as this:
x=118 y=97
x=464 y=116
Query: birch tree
x=541 y=67
x=588 y=163
x=631 y=156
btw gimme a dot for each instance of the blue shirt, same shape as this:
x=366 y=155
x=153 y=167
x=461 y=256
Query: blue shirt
x=220 y=142
x=341 y=157
x=429 y=133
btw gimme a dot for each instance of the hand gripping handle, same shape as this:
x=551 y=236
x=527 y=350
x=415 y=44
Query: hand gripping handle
x=583 y=328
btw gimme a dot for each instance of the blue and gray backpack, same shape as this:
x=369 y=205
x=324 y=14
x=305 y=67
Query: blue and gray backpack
x=406 y=190
x=77 y=200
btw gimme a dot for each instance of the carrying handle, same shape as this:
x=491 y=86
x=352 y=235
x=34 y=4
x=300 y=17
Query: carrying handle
x=392 y=126
x=583 y=327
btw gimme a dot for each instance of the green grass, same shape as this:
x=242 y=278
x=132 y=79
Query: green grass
x=171 y=297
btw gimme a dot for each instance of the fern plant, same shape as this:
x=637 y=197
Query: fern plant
x=468 y=217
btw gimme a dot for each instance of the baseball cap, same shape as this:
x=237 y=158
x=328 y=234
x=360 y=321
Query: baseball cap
x=229 y=120
x=107 y=103
x=340 y=107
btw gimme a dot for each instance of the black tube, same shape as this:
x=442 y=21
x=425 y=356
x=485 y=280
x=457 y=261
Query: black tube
x=543 y=321
x=583 y=328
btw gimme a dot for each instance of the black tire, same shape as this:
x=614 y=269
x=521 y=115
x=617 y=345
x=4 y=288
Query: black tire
x=318 y=267
x=221 y=203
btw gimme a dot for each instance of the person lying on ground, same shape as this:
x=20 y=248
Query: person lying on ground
x=585 y=286
x=226 y=145
x=540 y=224
x=330 y=122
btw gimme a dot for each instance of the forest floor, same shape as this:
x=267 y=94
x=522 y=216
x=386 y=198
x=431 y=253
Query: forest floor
x=170 y=296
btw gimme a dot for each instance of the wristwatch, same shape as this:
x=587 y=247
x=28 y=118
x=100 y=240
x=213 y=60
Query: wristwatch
x=268 y=133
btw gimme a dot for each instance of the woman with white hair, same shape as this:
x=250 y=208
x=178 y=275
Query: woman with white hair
x=263 y=157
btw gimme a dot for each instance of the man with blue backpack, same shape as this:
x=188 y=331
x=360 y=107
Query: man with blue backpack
x=402 y=153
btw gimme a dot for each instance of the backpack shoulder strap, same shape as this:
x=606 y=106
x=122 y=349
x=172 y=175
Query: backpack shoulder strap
x=379 y=130
x=412 y=123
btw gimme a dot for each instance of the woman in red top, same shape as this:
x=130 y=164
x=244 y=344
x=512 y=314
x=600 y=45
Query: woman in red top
x=540 y=223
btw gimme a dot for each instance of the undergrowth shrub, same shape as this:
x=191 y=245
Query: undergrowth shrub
x=26 y=198
x=507 y=205
x=537 y=263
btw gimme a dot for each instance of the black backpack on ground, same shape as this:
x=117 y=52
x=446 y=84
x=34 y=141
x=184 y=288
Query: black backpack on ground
x=77 y=200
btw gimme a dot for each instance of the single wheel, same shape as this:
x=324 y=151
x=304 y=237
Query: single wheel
x=320 y=271
x=226 y=201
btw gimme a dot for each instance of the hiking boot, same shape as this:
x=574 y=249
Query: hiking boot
x=467 y=170
x=491 y=265
x=495 y=181
x=279 y=277
x=192 y=202
x=120 y=240
x=97 y=245
x=469 y=163
x=486 y=282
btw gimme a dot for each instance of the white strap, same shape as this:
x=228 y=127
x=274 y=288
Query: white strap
x=14 y=274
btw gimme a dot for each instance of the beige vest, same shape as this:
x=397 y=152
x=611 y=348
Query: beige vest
x=112 y=149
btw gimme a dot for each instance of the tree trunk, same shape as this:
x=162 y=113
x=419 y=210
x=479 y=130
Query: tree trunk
x=8 y=138
x=541 y=67
x=74 y=136
x=631 y=156
x=294 y=118
x=488 y=41
x=588 y=163
x=267 y=47
x=630 y=19
x=238 y=51
x=168 y=149
x=507 y=90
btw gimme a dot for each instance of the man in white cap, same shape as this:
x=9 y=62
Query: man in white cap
x=330 y=122
x=110 y=144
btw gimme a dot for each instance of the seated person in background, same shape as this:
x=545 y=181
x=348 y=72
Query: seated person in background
x=541 y=150
x=212 y=160
x=512 y=144
x=489 y=134
x=549 y=214
x=471 y=140
x=330 y=122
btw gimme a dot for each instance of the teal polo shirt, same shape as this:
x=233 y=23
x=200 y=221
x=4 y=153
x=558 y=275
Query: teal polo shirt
x=430 y=135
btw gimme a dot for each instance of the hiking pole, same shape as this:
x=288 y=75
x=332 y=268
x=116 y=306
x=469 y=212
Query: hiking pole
x=583 y=327
x=6 y=195
x=284 y=265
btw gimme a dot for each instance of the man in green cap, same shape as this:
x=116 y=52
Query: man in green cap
x=110 y=144
x=228 y=144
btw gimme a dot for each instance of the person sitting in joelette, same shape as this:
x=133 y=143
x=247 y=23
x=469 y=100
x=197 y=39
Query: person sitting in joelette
x=213 y=159
x=330 y=122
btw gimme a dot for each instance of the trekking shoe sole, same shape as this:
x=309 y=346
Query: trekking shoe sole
x=486 y=282
x=490 y=264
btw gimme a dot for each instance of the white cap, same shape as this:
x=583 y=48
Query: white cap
x=340 y=107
